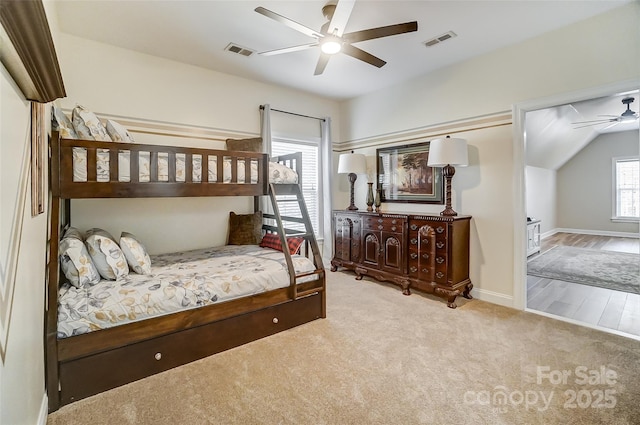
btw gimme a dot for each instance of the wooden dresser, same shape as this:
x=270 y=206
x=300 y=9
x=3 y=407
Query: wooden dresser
x=425 y=252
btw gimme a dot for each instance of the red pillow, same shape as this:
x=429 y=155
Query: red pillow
x=272 y=240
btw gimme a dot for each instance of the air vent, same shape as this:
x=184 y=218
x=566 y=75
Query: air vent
x=439 y=39
x=234 y=48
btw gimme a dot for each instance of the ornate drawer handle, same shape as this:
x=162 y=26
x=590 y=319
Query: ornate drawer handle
x=380 y=220
x=380 y=227
x=425 y=270
x=425 y=256
x=275 y=320
x=414 y=227
x=340 y=219
x=425 y=241
x=158 y=356
x=440 y=244
x=414 y=255
x=439 y=260
x=439 y=275
x=356 y=221
x=394 y=221
x=414 y=241
x=440 y=229
x=393 y=229
x=413 y=269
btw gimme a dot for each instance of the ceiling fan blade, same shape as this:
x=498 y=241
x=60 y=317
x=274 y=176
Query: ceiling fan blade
x=354 y=52
x=288 y=49
x=589 y=124
x=601 y=120
x=340 y=17
x=322 y=63
x=613 y=124
x=354 y=37
x=288 y=22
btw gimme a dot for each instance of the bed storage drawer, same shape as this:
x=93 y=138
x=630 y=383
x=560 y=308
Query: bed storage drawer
x=99 y=372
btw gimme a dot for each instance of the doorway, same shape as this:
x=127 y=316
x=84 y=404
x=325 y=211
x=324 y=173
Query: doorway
x=544 y=296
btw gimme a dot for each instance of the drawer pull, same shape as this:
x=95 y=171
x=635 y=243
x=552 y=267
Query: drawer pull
x=414 y=227
x=356 y=221
x=414 y=241
x=414 y=255
x=394 y=221
x=158 y=356
x=393 y=229
x=425 y=270
x=425 y=256
x=380 y=227
x=439 y=275
x=413 y=269
x=380 y=220
x=275 y=320
x=439 y=260
x=440 y=244
x=440 y=229
x=425 y=241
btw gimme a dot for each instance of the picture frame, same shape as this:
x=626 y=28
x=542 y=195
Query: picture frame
x=404 y=176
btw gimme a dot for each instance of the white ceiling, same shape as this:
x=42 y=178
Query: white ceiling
x=196 y=32
x=553 y=137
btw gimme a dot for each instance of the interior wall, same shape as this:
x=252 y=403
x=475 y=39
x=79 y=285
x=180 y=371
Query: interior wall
x=111 y=80
x=541 y=196
x=585 y=184
x=22 y=397
x=566 y=60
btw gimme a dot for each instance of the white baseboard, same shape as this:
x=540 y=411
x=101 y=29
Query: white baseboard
x=590 y=232
x=44 y=410
x=492 y=297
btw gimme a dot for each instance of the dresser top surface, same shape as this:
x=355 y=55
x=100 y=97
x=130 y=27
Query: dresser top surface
x=428 y=216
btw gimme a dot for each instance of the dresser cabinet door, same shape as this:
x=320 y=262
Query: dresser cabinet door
x=347 y=237
x=392 y=252
x=371 y=248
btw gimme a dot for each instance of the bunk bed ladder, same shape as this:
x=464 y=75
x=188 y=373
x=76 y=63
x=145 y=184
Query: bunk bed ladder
x=276 y=191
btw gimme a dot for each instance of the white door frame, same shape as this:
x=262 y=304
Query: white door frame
x=519 y=161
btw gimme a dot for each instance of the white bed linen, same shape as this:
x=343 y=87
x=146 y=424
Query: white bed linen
x=178 y=281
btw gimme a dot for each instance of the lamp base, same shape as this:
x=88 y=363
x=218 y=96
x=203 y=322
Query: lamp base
x=448 y=173
x=352 y=180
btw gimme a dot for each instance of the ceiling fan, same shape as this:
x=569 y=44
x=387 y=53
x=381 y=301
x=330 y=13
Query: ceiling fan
x=626 y=116
x=332 y=39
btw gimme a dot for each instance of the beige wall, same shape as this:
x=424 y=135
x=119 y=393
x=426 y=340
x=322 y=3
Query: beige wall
x=585 y=184
x=111 y=80
x=21 y=294
x=567 y=60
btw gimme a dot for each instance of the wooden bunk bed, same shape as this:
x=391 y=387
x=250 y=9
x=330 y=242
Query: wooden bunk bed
x=83 y=365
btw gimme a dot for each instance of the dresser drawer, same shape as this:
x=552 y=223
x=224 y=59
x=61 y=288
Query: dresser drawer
x=386 y=224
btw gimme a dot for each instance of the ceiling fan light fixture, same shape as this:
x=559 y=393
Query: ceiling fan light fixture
x=331 y=45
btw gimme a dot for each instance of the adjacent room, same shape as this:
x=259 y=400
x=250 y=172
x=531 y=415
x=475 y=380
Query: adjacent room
x=319 y=212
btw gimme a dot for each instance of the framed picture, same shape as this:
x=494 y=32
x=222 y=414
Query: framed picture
x=404 y=176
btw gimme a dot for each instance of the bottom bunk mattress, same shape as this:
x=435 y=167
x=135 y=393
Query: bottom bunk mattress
x=178 y=281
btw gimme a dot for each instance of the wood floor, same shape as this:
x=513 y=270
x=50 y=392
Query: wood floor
x=600 y=307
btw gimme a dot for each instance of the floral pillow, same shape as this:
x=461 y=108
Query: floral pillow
x=75 y=261
x=61 y=123
x=135 y=253
x=118 y=132
x=88 y=126
x=106 y=254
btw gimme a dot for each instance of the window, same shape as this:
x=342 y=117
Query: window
x=311 y=186
x=626 y=176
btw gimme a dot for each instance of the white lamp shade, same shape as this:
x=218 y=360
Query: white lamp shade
x=449 y=151
x=352 y=163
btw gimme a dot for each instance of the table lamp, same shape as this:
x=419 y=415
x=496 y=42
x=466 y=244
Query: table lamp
x=446 y=153
x=352 y=164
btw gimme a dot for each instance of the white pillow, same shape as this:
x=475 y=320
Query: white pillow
x=61 y=123
x=135 y=253
x=88 y=126
x=75 y=261
x=118 y=132
x=106 y=254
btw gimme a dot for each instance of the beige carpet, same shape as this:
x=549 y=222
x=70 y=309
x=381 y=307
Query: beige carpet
x=384 y=358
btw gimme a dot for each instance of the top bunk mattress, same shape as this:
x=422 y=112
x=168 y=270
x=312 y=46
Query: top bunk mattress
x=178 y=281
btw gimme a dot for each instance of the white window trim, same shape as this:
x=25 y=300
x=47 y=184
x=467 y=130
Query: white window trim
x=317 y=142
x=614 y=191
